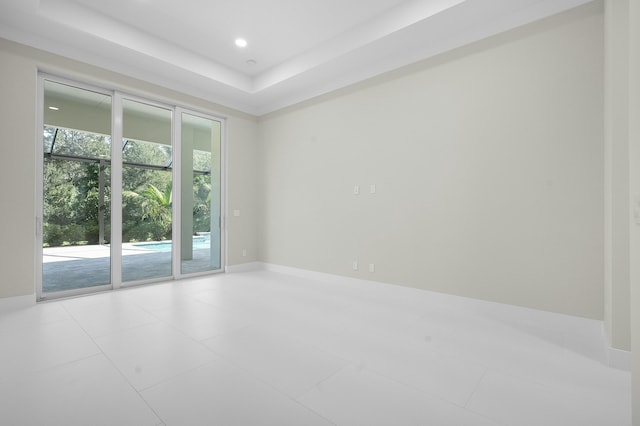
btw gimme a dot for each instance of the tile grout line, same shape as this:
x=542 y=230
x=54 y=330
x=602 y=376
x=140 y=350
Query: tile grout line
x=442 y=400
x=331 y=376
x=221 y=356
x=414 y=388
x=168 y=379
x=110 y=361
x=274 y=388
x=473 y=393
x=485 y=368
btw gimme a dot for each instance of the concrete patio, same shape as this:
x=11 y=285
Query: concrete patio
x=73 y=267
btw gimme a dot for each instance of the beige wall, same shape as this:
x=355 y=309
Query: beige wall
x=243 y=191
x=19 y=66
x=488 y=166
x=634 y=164
x=616 y=303
x=17 y=174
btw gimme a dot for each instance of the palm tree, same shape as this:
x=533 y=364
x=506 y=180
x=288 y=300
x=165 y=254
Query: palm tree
x=156 y=207
x=158 y=202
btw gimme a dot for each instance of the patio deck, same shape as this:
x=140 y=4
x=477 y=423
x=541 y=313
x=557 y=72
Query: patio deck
x=73 y=267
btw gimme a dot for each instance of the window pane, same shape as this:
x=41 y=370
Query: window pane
x=146 y=153
x=76 y=188
x=77 y=143
x=146 y=192
x=200 y=243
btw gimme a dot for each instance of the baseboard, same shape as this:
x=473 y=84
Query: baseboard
x=593 y=345
x=245 y=267
x=17 y=302
x=619 y=359
x=325 y=277
x=301 y=273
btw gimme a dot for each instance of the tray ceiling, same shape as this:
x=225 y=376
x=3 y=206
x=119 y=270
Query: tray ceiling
x=297 y=49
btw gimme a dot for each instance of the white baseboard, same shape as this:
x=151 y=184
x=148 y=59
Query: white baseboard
x=589 y=345
x=17 y=302
x=302 y=273
x=323 y=276
x=619 y=359
x=245 y=267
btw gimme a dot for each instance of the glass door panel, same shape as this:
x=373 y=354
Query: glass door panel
x=81 y=249
x=200 y=192
x=76 y=189
x=147 y=184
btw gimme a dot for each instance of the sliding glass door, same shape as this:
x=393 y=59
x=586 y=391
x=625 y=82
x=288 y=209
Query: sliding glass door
x=147 y=190
x=200 y=196
x=76 y=186
x=114 y=214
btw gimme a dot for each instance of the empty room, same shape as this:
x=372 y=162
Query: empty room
x=305 y=212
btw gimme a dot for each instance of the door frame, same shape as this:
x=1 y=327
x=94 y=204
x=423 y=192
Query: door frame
x=117 y=98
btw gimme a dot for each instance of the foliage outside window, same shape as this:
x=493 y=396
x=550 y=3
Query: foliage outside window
x=72 y=201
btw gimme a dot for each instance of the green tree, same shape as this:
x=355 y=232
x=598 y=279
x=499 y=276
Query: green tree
x=202 y=203
x=152 y=207
x=72 y=201
x=71 y=194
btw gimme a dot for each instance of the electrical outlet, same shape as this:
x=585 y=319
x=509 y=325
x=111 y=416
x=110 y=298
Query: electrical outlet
x=244 y=252
x=355 y=265
x=372 y=267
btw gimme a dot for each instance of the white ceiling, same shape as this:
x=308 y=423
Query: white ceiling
x=301 y=48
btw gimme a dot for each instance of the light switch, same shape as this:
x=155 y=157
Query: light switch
x=356 y=190
x=372 y=188
x=236 y=213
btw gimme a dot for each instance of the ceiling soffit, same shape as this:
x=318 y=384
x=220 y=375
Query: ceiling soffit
x=368 y=41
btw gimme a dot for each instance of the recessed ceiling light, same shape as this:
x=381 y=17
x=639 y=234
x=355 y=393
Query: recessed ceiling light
x=251 y=62
x=240 y=42
x=52 y=108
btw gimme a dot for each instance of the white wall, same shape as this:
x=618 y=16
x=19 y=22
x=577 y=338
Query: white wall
x=243 y=191
x=634 y=164
x=17 y=174
x=19 y=66
x=488 y=166
x=616 y=303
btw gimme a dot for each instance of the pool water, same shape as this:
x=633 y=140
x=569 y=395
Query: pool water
x=199 y=243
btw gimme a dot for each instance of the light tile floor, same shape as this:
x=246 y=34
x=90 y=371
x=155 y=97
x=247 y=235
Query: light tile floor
x=261 y=348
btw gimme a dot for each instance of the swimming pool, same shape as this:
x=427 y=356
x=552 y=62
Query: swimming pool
x=199 y=243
